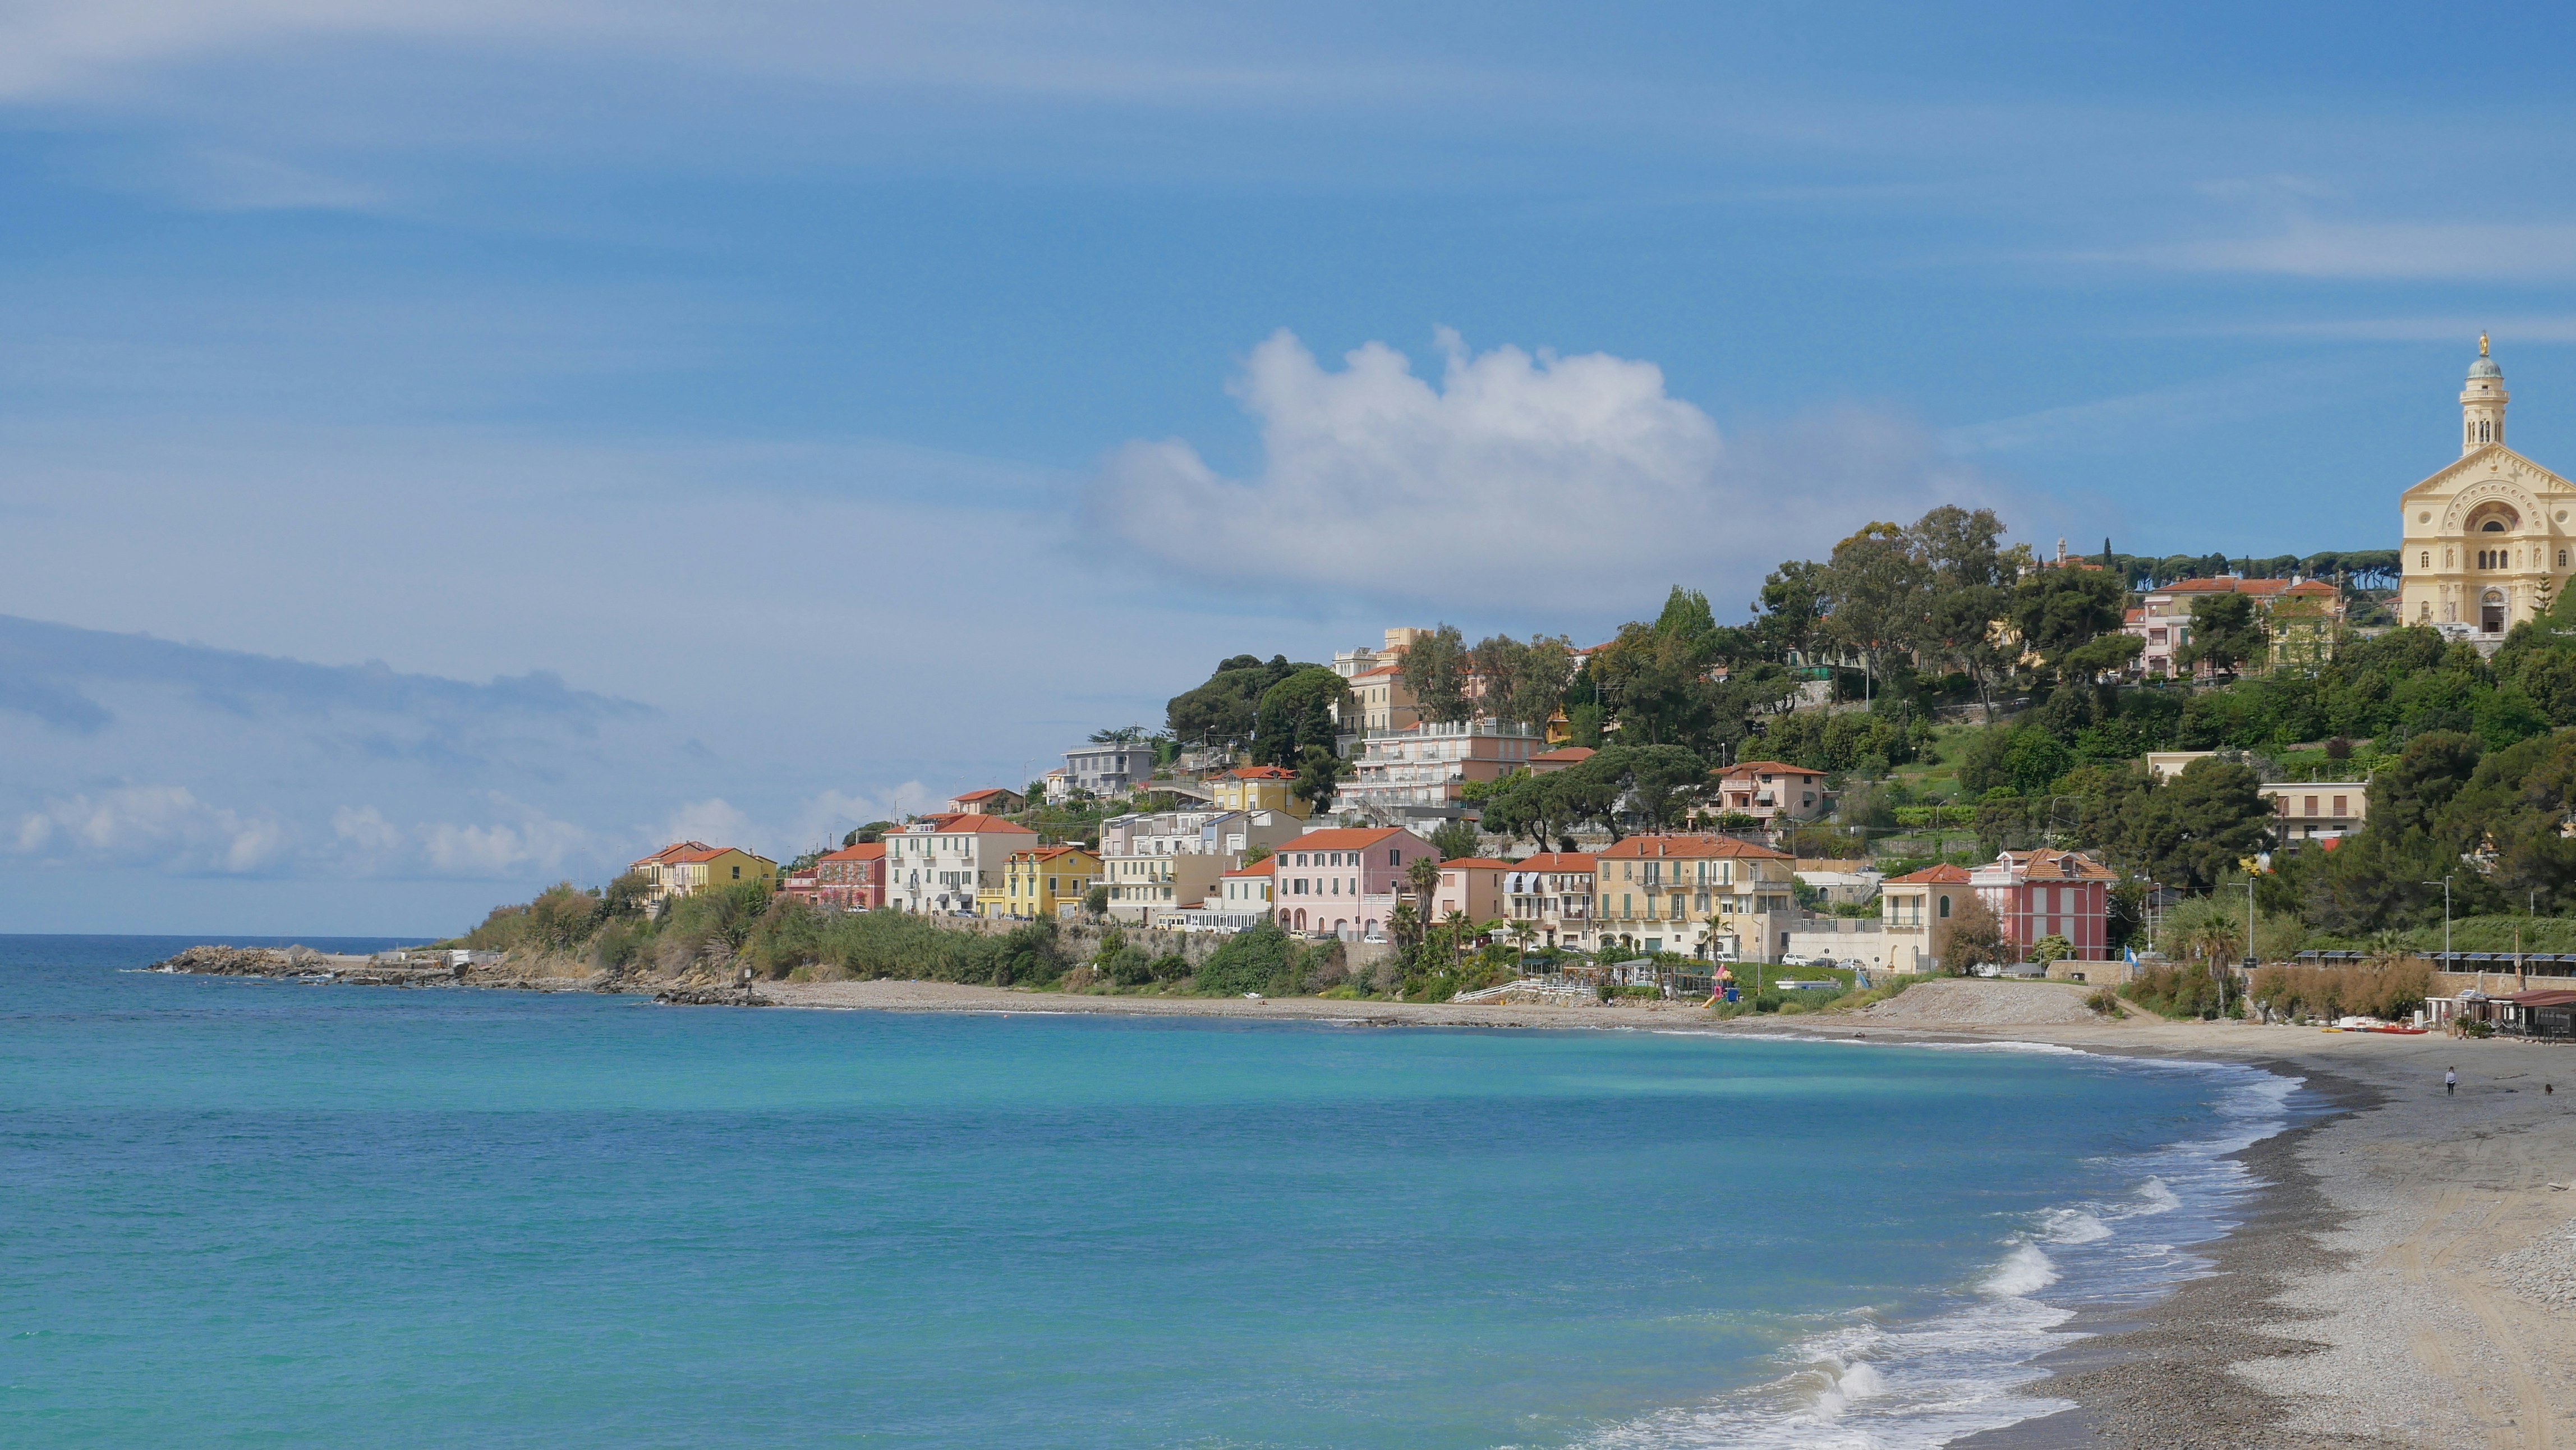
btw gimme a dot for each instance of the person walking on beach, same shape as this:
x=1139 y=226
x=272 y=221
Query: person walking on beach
x=2450 y=1081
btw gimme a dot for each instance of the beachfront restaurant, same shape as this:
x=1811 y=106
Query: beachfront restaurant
x=2546 y=1013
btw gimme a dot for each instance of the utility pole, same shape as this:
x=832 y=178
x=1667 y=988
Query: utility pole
x=2445 y=884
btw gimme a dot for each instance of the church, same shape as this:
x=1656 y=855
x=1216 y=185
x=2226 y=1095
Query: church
x=2486 y=539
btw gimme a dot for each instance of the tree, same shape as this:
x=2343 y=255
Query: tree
x=2071 y=619
x=1661 y=781
x=1404 y=927
x=2226 y=632
x=1297 y=714
x=1970 y=576
x=1119 y=735
x=1223 y=711
x=1874 y=589
x=1524 y=682
x=1455 y=840
x=1319 y=776
x=1791 y=607
x=1422 y=878
x=1976 y=939
x=1435 y=670
x=2192 y=831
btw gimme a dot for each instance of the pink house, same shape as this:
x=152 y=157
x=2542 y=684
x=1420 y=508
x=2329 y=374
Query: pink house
x=1343 y=882
x=2039 y=894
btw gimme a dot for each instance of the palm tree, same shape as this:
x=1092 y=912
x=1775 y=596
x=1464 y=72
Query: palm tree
x=1460 y=928
x=1522 y=930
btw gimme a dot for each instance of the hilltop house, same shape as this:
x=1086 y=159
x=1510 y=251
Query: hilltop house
x=990 y=801
x=1770 y=791
x=686 y=867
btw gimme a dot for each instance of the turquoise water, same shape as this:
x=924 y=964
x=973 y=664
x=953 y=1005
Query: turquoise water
x=250 y=1213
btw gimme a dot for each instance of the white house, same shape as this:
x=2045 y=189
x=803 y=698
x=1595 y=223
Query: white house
x=938 y=863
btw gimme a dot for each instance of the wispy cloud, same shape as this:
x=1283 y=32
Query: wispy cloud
x=2154 y=414
x=2374 y=251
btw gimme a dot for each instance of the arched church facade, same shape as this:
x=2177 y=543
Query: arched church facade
x=2487 y=542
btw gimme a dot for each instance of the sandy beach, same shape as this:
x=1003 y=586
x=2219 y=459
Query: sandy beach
x=2407 y=1279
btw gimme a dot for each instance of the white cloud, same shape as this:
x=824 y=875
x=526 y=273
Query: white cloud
x=158 y=825
x=715 y=821
x=1517 y=480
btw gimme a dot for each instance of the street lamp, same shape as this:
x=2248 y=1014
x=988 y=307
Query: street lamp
x=2445 y=884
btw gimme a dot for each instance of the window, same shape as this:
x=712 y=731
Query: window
x=2338 y=804
x=2425 y=561
x=1945 y=907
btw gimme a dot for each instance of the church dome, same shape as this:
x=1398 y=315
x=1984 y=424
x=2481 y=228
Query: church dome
x=2485 y=366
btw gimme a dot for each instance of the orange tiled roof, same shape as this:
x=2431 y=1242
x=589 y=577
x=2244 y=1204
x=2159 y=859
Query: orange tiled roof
x=679 y=852
x=2057 y=866
x=987 y=793
x=1572 y=863
x=1570 y=754
x=1941 y=875
x=1260 y=772
x=864 y=851
x=1477 y=863
x=1262 y=867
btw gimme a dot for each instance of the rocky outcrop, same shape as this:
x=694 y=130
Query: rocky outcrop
x=306 y=964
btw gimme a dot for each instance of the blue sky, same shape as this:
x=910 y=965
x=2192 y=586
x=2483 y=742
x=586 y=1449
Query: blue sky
x=837 y=406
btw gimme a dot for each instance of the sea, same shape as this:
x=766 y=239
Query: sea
x=249 y=1213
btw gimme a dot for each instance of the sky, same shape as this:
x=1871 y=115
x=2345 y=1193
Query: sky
x=451 y=447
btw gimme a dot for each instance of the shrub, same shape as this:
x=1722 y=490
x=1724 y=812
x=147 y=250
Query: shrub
x=2389 y=991
x=1170 y=967
x=1261 y=958
x=2178 y=992
x=2104 y=1001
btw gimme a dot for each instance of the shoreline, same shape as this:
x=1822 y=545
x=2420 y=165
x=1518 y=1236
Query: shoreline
x=2357 y=1302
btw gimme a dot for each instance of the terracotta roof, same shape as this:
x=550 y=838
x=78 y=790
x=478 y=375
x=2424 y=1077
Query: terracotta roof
x=1342 y=838
x=1478 y=863
x=1380 y=670
x=1047 y=853
x=864 y=851
x=1259 y=772
x=1642 y=847
x=2133 y=616
x=1262 y=867
x=1941 y=875
x=987 y=793
x=679 y=851
x=1570 y=754
x=1573 y=863
x=2057 y=866
x=1770 y=767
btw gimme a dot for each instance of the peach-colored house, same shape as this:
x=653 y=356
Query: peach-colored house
x=1472 y=884
x=1768 y=790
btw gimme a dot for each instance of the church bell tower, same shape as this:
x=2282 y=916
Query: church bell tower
x=2482 y=403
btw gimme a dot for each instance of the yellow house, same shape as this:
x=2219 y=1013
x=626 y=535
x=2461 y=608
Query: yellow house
x=686 y=867
x=1037 y=881
x=1258 y=788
